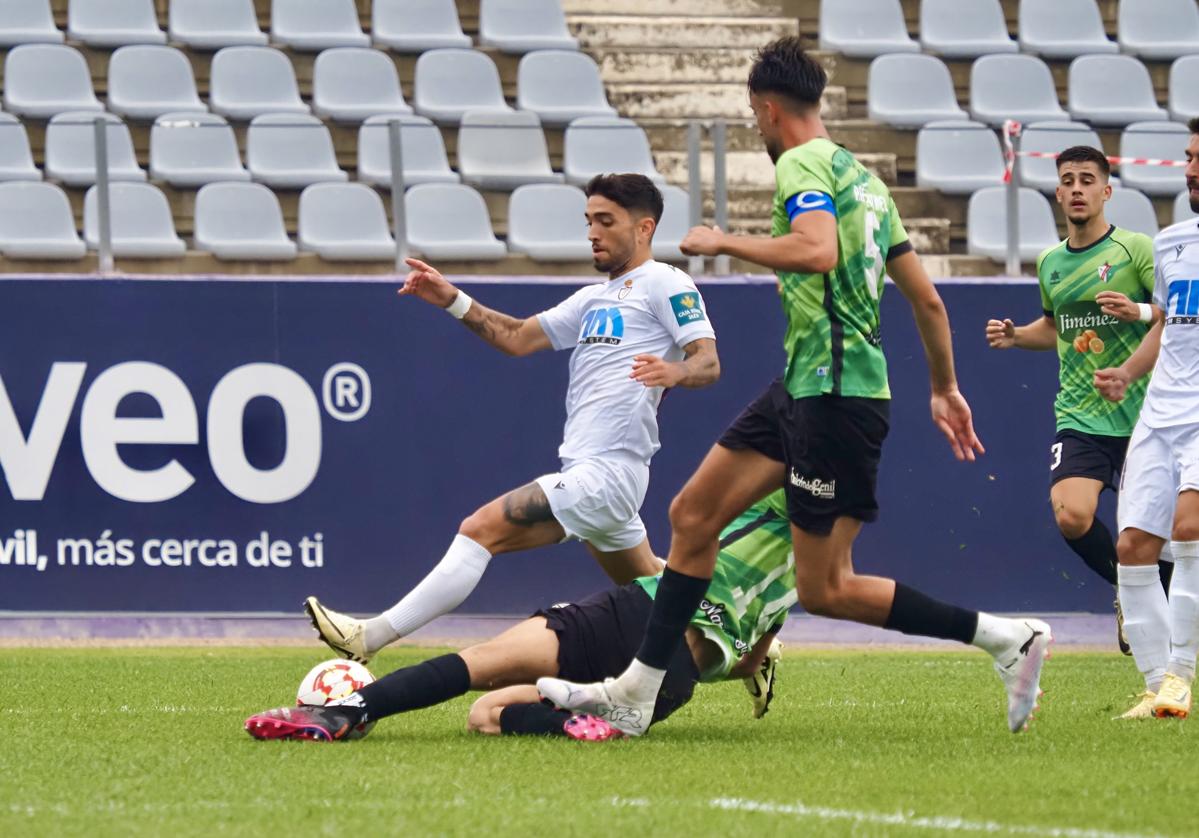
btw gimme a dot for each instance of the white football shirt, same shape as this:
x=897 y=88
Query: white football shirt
x=654 y=309
x=1173 y=395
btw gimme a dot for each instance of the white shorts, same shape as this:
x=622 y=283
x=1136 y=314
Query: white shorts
x=1161 y=462
x=598 y=500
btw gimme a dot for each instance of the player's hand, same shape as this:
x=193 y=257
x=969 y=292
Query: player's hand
x=425 y=282
x=1117 y=305
x=1112 y=383
x=702 y=241
x=952 y=415
x=1001 y=334
x=652 y=371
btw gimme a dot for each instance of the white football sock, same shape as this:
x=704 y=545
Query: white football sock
x=443 y=590
x=1146 y=620
x=995 y=634
x=1184 y=608
x=640 y=683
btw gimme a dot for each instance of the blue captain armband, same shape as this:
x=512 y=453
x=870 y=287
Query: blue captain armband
x=802 y=202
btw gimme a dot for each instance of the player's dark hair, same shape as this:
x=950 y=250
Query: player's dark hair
x=1193 y=125
x=1085 y=154
x=782 y=67
x=636 y=193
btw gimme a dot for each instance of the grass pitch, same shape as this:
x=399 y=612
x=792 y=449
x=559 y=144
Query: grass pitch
x=149 y=742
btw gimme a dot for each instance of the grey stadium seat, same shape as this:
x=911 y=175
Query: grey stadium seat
x=350 y=84
x=215 y=24
x=141 y=222
x=958 y=157
x=545 y=222
x=1018 y=87
x=41 y=80
x=27 y=22
x=1159 y=29
x=1063 y=29
x=1160 y=140
x=450 y=221
x=36 y=222
x=191 y=149
x=1182 y=208
x=248 y=81
x=417 y=25
x=71 y=149
x=241 y=221
x=1039 y=172
x=559 y=86
x=864 y=28
x=344 y=222
x=503 y=150
x=144 y=82
x=313 y=25
x=291 y=151
x=986 y=224
x=594 y=145
x=676 y=221
x=113 y=23
x=1131 y=209
x=16 y=159
x=423 y=151
x=523 y=25
x=450 y=82
x=909 y=90
x=1184 y=88
x=964 y=28
x=1112 y=90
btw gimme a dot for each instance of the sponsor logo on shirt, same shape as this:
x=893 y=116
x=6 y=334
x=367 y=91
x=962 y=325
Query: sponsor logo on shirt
x=602 y=325
x=1182 y=302
x=823 y=489
x=624 y=292
x=686 y=308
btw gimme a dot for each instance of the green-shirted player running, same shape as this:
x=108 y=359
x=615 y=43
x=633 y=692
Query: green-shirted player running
x=818 y=430
x=1091 y=284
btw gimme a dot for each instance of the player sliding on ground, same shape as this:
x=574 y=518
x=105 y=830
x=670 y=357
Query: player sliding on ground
x=632 y=337
x=818 y=430
x=730 y=636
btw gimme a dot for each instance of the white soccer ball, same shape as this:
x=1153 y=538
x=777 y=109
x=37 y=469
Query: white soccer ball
x=330 y=682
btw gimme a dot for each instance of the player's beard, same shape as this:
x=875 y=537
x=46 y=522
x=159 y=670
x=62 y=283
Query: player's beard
x=1193 y=194
x=774 y=148
x=614 y=264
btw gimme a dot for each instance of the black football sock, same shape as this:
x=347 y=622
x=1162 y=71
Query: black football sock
x=539 y=719
x=414 y=687
x=1166 y=569
x=675 y=604
x=1096 y=548
x=915 y=613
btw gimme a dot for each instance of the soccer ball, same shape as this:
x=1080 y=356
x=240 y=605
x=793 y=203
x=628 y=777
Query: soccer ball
x=330 y=682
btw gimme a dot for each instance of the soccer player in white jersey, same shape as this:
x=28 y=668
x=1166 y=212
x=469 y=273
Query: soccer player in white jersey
x=1159 y=495
x=643 y=330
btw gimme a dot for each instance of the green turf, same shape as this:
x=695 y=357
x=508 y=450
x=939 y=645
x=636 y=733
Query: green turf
x=149 y=742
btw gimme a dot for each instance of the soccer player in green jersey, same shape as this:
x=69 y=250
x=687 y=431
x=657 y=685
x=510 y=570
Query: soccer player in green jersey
x=730 y=635
x=818 y=430
x=1090 y=286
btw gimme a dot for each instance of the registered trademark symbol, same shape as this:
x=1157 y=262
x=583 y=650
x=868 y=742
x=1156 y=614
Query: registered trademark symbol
x=346 y=392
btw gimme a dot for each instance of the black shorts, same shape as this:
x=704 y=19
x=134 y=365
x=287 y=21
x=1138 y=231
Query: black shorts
x=831 y=446
x=599 y=635
x=1078 y=454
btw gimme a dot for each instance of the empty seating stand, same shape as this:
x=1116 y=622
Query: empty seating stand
x=1159 y=29
x=519 y=26
x=350 y=84
x=291 y=151
x=958 y=157
x=241 y=221
x=1182 y=208
x=450 y=221
x=986 y=224
x=1063 y=29
x=248 y=81
x=113 y=23
x=417 y=25
x=27 y=22
x=1051 y=137
x=1016 y=87
x=909 y=90
x=864 y=28
x=1112 y=90
x=140 y=222
x=71 y=149
x=1184 y=88
x=41 y=80
x=503 y=150
x=36 y=223
x=676 y=221
x=559 y=86
x=344 y=222
x=594 y=145
x=190 y=150
x=1156 y=140
x=964 y=28
x=16 y=159
x=450 y=82
x=422 y=151
x=214 y=24
x=313 y=25
x=144 y=82
x=1131 y=210
x=545 y=222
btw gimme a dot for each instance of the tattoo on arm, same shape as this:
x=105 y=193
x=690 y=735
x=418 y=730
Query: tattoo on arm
x=496 y=328
x=527 y=506
x=701 y=362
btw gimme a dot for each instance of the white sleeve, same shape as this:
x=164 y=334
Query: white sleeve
x=561 y=323
x=680 y=308
x=1160 y=292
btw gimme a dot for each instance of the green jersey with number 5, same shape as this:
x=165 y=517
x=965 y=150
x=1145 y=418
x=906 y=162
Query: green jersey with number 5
x=833 y=341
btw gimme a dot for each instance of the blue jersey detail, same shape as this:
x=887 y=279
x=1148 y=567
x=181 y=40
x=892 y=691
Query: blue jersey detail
x=802 y=202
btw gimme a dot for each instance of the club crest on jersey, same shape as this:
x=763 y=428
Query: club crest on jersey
x=1104 y=271
x=602 y=325
x=686 y=308
x=624 y=292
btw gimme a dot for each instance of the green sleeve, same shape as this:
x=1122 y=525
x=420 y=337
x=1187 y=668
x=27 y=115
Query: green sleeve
x=1046 y=302
x=898 y=234
x=803 y=171
x=1142 y=252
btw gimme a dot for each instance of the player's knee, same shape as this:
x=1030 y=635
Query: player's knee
x=821 y=601
x=686 y=516
x=1186 y=531
x=477 y=526
x=1134 y=547
x=1073 y=522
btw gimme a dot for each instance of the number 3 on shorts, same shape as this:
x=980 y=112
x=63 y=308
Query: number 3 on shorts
x=1056 y=451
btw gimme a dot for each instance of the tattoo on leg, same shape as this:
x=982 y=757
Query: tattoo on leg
x=527 y=506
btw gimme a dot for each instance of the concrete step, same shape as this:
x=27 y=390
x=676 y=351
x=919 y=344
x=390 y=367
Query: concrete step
x=808 y=12
x=621 y=65
x=597 y=31
x=700 y=101
x=752 y=171
x=676 y=8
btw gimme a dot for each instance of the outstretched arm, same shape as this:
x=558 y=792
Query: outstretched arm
x=699 y=367
x=810 y=247
x=1040 y=334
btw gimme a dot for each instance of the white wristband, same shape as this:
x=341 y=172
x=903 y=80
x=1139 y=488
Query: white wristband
x=1146 y=311
x=460 y=306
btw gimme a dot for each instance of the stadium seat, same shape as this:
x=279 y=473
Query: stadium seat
x=964 y=28
x=559 y=86
x=1112 y=90
x=1158 y=29
x=344 y=222
x=191 y=149
x=36 y=222
x=291 y=151
x=141 y=222
x=417 y=25
x=958 y=157
x=248 y=81
x=27 y=22
x=1063 y=29
x=450 y=82
x=71 y=149
x=518 y=26
x=113 y=23
x=1182 y=208
x=241 y=221
x=422 y=152
x=596 y=144
x=1040 y=173
x=986 y=224
x=145 y=82
x=1160 y=140
x=41 y=80
x=545 y=222
x=675 y=223
x=311 y=25
x=864 y=28
x=450 y=221
x=503 y=150
x=1131 y=209
x=909 y=90
x=1018 y=87
x=1184 y=88
x=350 y=84
x=16 y=160
x=215 y=24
